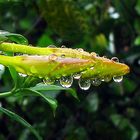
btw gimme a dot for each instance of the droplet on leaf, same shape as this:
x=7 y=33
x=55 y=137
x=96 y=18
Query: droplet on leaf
x=66 y=81
x=80 y=49
x=84 y=84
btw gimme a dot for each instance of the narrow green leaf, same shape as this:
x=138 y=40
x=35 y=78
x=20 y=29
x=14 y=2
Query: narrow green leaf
x=52 y=102
x=19 y=119
x=44 y=87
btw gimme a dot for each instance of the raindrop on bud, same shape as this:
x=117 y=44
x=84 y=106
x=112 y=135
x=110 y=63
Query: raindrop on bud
x=118 y=78
x=51 y=46
x=77 y=75
x=48 y=81
x=66 y=81
x=84 y=84
x=53 y=57
x=96 y=82
x=115 y=59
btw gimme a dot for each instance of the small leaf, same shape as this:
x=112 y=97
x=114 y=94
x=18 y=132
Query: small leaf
x=4 y=35
x=19 y=119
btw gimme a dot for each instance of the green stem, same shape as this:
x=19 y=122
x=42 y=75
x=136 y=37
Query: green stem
x=6 y=94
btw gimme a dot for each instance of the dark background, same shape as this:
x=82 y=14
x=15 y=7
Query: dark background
x=110 y=111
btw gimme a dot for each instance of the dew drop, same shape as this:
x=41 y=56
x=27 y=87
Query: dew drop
x=96 y=82
x=106 y=79
x=53 y=57
x=93 y=53
x=48 y=81
x=92 y=68
x=18 y=54
x=115 y=59
x=63 y=55
x=118 y=78
x=77 y=75
x=51 y=46
x=66 y=81
x=84 y=84
x=63 y=46
x=33 y=70
x=80 y=49
x=22 y=75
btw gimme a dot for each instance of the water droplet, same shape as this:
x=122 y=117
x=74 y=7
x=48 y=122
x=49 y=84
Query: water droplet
x=22 y=75
x=106 y=79
x=80 y=49
x=84 y=84
x=48 y=81
x=104 y=57
x=118 y=78
x=115 y=59
x=63 y=55
x=51 y=46
x=66 y=81
x=93 y=53
x=92 y=68
x=77 y=75
x=33 y=69
x=96 y=82
x=53 y=57
x=18 y=54
x=63 y=46
x=97 y=55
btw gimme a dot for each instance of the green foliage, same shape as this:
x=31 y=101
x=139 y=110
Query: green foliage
x=109 y=112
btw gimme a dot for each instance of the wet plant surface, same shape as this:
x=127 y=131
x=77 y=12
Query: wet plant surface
x=64 y=70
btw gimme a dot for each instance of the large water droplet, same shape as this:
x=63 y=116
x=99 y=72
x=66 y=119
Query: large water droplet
x=22 y=75
x=96 y=82
x=48 y=81
x=66 y=81
x=51 y=46
x=115 y=59
x=77 y=75
x=53 y=57
x=118 y=78
x=84 y=84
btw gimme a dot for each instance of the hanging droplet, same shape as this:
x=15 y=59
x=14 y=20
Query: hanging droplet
x=93 y=53
x=51 y=46
x=96 y=82
x=104 y=57
x=84 y=84
x=18 y=54
x=106 y=79
x=97 y=55
x=48 y=81
x=63 y=46
x=115 y=59
x=118 y=78
x=53 y=57
x=80 y=49
x=66 y=81
x=22 y=75
x=63 y=55
x=77 y=75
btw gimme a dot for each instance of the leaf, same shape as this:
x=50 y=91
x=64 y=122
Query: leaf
x=4 y=35
x=44 y=87
x=52 y=102
x=19 y=119
x=17 y=80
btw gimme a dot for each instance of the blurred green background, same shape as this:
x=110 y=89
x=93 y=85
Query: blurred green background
x=110 y=111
